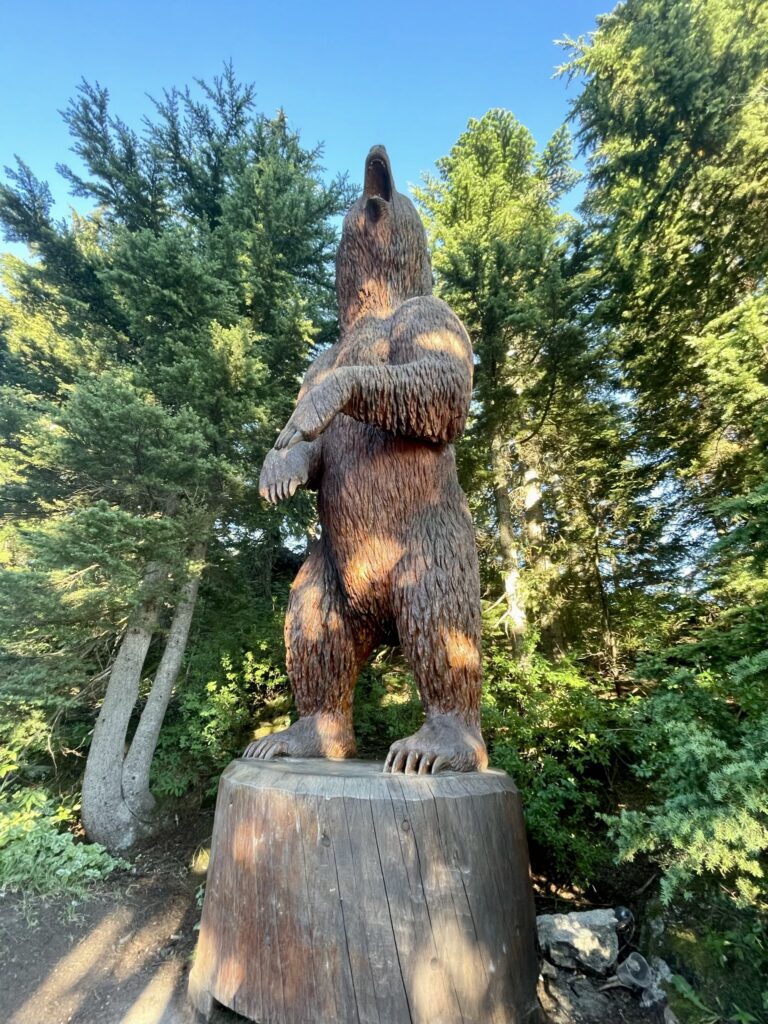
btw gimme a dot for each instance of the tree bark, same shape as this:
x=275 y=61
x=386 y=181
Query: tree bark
x=138 y=760
x=116 y=804
x=610 y=647
x=106 y=817
x=510 y=551
x=536 y=536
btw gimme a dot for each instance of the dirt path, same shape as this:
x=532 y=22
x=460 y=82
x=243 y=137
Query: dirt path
x=123 y=955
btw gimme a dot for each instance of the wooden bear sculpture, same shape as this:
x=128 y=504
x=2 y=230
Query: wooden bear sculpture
x=396 y=562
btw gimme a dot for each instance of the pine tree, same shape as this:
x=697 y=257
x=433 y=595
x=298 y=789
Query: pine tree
x=154 y=345
x=672 y=116
x=498 y=253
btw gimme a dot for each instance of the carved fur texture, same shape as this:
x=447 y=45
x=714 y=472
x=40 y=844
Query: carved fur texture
x=372 y=431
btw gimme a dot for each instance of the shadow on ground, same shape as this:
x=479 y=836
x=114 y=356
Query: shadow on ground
x=121 y=957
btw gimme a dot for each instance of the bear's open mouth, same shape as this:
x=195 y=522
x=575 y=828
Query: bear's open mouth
x=378 y=183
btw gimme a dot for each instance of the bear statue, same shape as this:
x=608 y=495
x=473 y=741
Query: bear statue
x=396 y=561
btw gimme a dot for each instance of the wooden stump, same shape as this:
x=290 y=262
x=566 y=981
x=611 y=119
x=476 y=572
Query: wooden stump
x=340 y=895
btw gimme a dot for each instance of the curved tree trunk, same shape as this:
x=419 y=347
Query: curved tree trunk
x=539 y=560
x=116 y=805
x=105 y=815
x=510 y=552
x=610 y=646
x=138 y=760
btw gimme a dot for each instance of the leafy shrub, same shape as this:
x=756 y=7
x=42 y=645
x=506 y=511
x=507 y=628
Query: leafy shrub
x=24 y=734
x=387 y=705
x=559 y=736
x=38 y=855
x=235 y=680
x=706 y=763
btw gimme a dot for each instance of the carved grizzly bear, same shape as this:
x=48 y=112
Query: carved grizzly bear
x=372 y=431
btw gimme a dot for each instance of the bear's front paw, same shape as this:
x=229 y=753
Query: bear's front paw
x=313 y=412
x=282 y=474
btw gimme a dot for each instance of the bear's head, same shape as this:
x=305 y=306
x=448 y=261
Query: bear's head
x=383 y=257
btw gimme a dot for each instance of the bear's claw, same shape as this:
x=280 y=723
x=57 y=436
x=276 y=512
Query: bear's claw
x=444 y=742
x=316 y=735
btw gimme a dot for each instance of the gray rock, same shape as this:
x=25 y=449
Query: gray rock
x=587 y=939
x=654 y=994
x=567 y=998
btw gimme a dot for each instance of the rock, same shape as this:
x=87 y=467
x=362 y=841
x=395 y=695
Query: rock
x=654 y=994
x=587 y=939
x=573 y=999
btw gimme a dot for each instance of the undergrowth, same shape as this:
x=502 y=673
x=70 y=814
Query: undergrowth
x=38 y=853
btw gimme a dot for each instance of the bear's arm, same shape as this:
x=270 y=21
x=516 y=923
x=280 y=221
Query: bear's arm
x=426 y=397
x=284 y=471
x=312 y=451
x=318 y=369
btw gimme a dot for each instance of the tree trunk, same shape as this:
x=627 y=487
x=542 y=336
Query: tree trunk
x=510 y=551
x=106 y=817
x=610 y=647
x=138 y=760
x=116 y=805
x=541 y=563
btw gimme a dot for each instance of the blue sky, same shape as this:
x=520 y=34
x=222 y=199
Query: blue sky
x=347 y=74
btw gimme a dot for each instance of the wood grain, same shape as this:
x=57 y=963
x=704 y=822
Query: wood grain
x=341 y=895
x=373 y=431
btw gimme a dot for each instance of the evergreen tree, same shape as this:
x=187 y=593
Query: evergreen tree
x=672 y=115
x=498 y=254
x=153 y=347
x=548 y=458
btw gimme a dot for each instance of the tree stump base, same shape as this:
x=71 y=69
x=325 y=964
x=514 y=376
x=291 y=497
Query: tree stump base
x=340 y=895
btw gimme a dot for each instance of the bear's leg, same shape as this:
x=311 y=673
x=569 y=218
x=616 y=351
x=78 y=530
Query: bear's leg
x=325 y=650
x=438 y=621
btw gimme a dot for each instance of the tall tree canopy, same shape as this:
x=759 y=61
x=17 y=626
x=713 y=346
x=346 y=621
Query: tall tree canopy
x=672 y=114
x=615 y=458
x=151 y=349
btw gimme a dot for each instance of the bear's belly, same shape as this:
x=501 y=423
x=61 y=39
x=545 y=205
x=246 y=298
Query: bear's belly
x=377 y=498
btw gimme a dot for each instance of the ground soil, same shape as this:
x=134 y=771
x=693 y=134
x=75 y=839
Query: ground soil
x=122 y=955
x=119 y=957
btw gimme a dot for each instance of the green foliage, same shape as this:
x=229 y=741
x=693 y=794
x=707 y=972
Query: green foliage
x=720 y=959
x=23 y=739
x=701 y=738
x=37 y=855
x=151 y=350
x=213 y=718
x=234 y=678
x=560 y=737
x=707 y=819
x=672 y=114
x=387 y=705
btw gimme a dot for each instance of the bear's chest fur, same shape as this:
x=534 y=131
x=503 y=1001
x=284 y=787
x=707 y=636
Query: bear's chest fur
x=380 y=339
